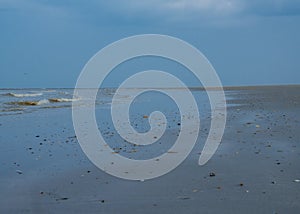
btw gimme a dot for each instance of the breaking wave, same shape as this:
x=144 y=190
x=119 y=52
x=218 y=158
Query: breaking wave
x=41 y=102
x=24 y=95
x=58 y=100
x=30 y=103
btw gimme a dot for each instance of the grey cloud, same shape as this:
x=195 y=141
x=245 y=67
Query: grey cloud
x=272 y=7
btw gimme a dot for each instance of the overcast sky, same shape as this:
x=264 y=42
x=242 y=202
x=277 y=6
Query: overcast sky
x=47 y=43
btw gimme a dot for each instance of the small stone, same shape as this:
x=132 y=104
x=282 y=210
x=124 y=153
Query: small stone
x=145 y=116
x=212 y=174
x=19 y=172
x=62 y=199
x=184 y=198
x=297 y=181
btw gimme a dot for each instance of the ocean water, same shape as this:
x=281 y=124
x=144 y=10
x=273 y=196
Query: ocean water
x=43 y=105
x=21 y=101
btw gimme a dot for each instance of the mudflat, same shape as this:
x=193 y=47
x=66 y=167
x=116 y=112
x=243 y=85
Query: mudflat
x=255 y=169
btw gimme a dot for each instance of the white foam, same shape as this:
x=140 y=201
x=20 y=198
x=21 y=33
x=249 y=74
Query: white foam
x=42 y=102
x=56 y=100
x=25 y=95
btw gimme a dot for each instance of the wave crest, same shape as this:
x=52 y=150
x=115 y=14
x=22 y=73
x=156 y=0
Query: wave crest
x=58 y=100
x=24 y=95
x=30 y=103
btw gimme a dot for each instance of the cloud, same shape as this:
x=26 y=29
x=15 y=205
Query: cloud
x=273 y=7
x=211 y=8
x=115 y=12
x=32 y=8
x=216 y=7
x=200 y=12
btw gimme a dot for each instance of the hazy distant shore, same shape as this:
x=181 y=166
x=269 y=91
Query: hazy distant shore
x=234 y=87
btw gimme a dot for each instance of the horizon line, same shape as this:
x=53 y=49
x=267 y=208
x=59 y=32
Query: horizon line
x=192 y=87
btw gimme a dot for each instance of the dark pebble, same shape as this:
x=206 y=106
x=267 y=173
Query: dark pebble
x=62 y=199
x=184 y=198
x=212 y=174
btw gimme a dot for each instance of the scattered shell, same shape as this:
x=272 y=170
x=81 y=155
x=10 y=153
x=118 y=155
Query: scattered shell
x=19 y=172
x=171 y=152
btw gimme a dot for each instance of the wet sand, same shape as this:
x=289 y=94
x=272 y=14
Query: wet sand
x=255 y=169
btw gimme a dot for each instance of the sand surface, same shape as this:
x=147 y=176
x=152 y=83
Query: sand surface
x=255 y=169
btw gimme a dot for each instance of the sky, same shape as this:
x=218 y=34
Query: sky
x=45 y=44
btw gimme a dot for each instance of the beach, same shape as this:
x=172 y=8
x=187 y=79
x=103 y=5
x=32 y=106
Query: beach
x=255 y=169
